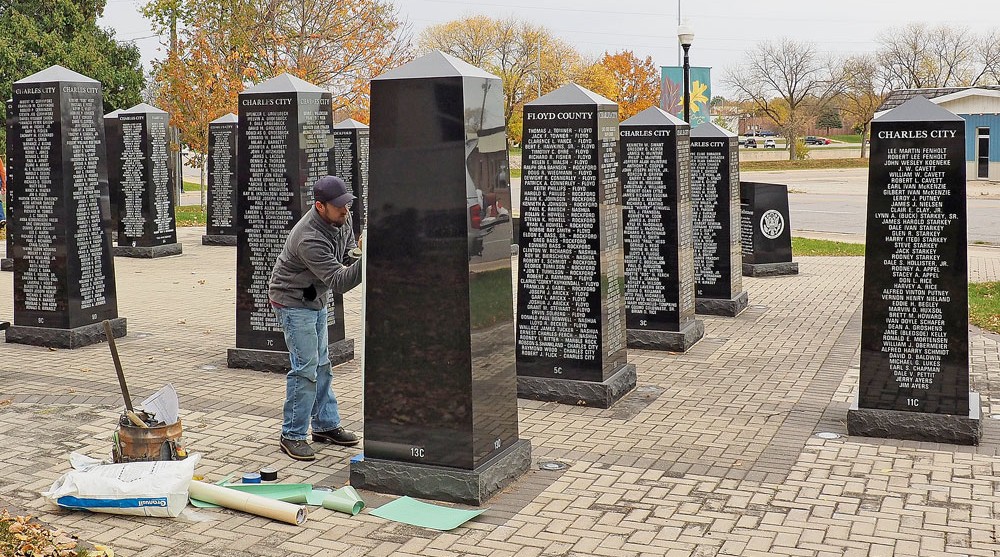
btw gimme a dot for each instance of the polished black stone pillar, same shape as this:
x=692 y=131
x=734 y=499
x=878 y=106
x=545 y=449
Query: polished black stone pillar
x=284 y=145
x=350 y=150
x=440 y=390
x=113 y=138
x=64 y=275
x=659 y=258
x=571 y=336
x=765 y=230
x=7 y=261
x=146 y=226
x=715 y=194
x=914 y=381
x=221 y=209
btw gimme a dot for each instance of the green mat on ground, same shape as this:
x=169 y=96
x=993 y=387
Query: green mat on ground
x=290 y=493
x=426 y=515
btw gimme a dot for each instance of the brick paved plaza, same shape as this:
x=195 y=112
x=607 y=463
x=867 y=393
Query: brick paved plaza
x=715 y=453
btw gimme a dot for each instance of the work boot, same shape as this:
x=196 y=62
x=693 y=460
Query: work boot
x=297 y=449
x=339 y=436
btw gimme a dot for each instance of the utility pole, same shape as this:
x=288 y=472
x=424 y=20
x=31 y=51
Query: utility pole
x=680 y=54
x=539 y=73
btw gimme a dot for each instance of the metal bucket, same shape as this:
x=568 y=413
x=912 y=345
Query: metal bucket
x=141 y=444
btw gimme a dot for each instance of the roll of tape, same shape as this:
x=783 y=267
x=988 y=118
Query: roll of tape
x=251 y=478
x=268 y=474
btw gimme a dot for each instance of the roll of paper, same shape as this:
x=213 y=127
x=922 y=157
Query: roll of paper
x=248 y=502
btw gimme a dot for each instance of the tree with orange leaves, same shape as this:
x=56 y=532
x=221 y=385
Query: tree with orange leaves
x=196 y=87
x=635 y=82
x=336 y=45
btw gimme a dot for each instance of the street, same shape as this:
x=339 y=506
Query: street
x=832 y=203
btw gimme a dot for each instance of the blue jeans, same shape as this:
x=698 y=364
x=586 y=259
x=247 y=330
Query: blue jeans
x=309 y=385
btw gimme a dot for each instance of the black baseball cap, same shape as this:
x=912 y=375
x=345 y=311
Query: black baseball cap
x=332 y=190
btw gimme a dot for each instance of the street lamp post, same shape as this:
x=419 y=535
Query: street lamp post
x=686 y=36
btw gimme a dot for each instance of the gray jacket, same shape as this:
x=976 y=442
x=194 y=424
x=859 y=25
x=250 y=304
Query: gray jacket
x=312 y=263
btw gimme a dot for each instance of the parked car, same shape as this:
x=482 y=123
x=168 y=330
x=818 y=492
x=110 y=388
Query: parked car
x=750 y=143
x=770 y=144
x=765 y=133
x=816 y=140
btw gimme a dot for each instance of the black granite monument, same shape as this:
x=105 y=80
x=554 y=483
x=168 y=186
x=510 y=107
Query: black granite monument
x=285 y=144
x=440 y=384
x=146 y=226
x=7 y=262
x=715 y=194
x=571 y=335
x=659 y=258
x=64 y=275
x=765 y=230
x=350 y=149
x=221 y=210
x=914 y=381
x=113 y=138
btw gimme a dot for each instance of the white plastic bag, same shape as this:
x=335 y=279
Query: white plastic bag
x=157 y=488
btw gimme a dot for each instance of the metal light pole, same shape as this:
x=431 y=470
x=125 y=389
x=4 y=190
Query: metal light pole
x=686 y=36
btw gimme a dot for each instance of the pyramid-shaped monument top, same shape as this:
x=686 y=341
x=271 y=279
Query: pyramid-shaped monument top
x=143 y=108
x=113 y=113
x=226 y=119
x=435 y=64
x=284 y=83
x=709 y=129
x=654 y=116
x=919 y=109
x=571 y=94
x=350 y=124
x=56 y=73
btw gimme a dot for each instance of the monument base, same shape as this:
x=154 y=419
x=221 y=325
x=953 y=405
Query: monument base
x=218 y=240
x=918 y=426
x=722 y=306
x=147 y=252
x=65 y=338
x=440 y=483
x=7 y=264
x=674 y=341
x=277 y=360
x=770 y=269
x=579 y=393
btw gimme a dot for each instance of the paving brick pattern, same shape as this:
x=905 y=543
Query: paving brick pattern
x=714 y=454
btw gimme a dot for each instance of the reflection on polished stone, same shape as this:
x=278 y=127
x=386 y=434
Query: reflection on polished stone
x=439 y=348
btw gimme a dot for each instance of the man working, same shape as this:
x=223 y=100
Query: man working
x=314 y=260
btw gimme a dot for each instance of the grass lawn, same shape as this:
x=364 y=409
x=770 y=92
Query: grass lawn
x=193 y=186
x=856 y=138
x=854 y=162
x=806 y=246
x=189 y=215
x=984 y=305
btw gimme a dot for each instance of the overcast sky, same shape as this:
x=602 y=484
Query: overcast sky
x=724 y=29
